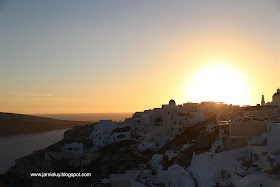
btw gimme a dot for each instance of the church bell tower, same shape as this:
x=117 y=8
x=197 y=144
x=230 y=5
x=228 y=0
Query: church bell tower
x=263 y=102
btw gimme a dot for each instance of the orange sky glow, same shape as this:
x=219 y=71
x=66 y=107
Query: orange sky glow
x=131 y=57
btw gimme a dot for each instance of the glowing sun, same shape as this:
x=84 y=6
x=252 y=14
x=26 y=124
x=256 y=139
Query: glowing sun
x=220 y=84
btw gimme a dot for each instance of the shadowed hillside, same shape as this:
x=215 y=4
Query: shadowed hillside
x=13 y=124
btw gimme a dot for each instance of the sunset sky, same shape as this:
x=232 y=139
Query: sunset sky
x=123 y=56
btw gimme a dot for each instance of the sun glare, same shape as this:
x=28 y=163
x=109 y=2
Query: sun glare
x=220 y=84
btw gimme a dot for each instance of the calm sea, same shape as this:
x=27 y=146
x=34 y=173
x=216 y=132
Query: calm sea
x=14 y=147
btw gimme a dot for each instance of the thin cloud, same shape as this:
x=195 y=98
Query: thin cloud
x=31 y=94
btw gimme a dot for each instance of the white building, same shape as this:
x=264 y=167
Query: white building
x=107 y=132
x=211 y=169
x=253 y=180
x=155 y=161
x=175 y=176
x=266 y=147
x=257 y=164
x=275 y=99
x=160 y=123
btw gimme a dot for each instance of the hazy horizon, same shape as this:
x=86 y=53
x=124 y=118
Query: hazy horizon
x=92 y=117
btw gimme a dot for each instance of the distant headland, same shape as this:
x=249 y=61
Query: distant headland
x=15 y=124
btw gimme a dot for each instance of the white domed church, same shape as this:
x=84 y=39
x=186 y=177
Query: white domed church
x=275 y=99
x=172 y=102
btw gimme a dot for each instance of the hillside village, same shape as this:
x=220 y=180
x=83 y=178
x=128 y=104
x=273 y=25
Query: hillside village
x=193 y=144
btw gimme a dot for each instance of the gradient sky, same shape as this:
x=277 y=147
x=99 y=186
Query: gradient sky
x=124 y=56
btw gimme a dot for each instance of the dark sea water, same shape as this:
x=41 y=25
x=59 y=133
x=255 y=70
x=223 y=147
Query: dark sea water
x=94 y=117
x=14 y=147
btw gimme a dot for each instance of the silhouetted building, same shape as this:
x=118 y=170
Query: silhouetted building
x=263 y=102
